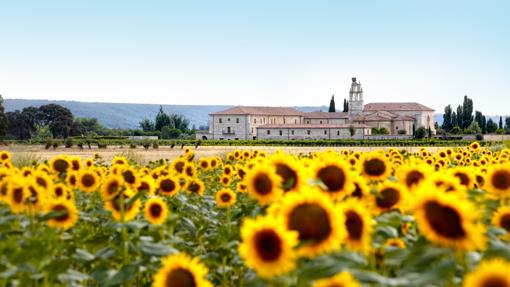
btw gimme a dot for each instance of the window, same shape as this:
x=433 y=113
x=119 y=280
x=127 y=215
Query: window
x=295 y=121
x=292 y=132
x=228 y=120
x=281 y=133
x=254 y=121
x=320 y=122
x=308 y=132
x=284 y=120
x=396 y=128
x=228 y=130
x=307 y=122
x=268 y=132
x=237 y=120
x=337 y=133
x=220 y=120
x=325 y=132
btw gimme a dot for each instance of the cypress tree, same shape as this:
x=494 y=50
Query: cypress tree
x=332 y=108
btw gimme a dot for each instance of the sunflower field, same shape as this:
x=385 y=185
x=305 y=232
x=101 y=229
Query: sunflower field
x=248 y=218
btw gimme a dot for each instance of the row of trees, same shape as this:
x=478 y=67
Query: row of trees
x=168 y=126
x=332 y=108
x=462 y=120
x=55 y=121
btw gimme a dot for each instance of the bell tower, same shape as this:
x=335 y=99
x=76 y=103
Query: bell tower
x=355 y=98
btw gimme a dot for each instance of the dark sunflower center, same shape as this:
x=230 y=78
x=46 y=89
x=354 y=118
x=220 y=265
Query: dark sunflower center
x=59 y=191
x=501 y=179
x=354 y=224
x=226 y=180
x=388 y=198
x=180 y=278
x=72 y=180
x=263 y=184
x=88 y=180
x=179 y=166
x=333 y=177
x=268 y=245
x=194 y=187
x=167 y=185
x=444 y=220
x=241 y=173
x=60 y=165
x=358 y=193
x=4 y=156
x=225 y=197
x=311 y=221
x=189 y=171
x=464 y=179
x=75 y=165
x=413 y=178
x=213 y=163
x=155 y=210
x=227 y=171
x=374 y=167
x=143 y=186
x=34 y=195
x=113 y=187
x=494 y=281
x=129 y=177
x=288 y=175
x=63 y=209
x=17 y=195
x=41 y=182
x=505 y=222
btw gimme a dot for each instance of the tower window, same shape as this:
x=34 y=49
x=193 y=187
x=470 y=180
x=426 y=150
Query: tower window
x=308 y=132
x=254 y=121
x=325 y=132
x=220 y=120
x=337 y=133
x=268 y=132
x=292 y=132
x=237 y=120
x=281 y=133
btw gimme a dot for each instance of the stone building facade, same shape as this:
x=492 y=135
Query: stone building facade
x=252 y=122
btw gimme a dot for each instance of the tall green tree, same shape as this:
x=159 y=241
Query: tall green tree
x=500 y=122
x=447 y=118
x=332 y=107
x=460 y=116
x=3 y=119
x=467 y=112
x=346 y=106
x=455 y=121
x=147 y=125
x=492 y=127
x=58 y=118
x=507 y=123
x=162 y=119
x=479 y=120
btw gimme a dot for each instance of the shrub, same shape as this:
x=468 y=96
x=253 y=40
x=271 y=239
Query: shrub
x=155 y=145
x=68 y=142
x=49 y=143
x=420 y=133
x=132 y=145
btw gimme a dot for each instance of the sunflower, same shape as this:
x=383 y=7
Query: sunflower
x=375 y=166
x=501 y=218
x=36 y=199
x=390 y=196
x=75 y=162
x=344 y=279
x=17 y=195
x=156 y=210
x=241 y=187
x=88 y=180
x=360 y=190
x=497 y=180
x=178 y=165
x=59 y=191
x=5 y=156
x=43 y=180
x=130 y=176
x=180 y=270
x=120 y=202
x=203 y=163
x=225 y=180
x=267 y=246
x=118 y=161
x=59 y=165
x=290 y=171
x=358 y=224
x=490 y=273
x=263 y=184
x=111 y=186
x=67 y=214
x=190 y=170
x=225 y=197
x=334 y=177
x=448 y=219
x=213 y=162
x=240 y=171
x=89 y=162
x=146 y=184
x=167 y=185
x=313 y=215
x=465 y=174
x=195 y=186
x=413 y=175
x=395 y=242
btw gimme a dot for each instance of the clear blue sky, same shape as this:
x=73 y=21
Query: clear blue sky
x=256 y=52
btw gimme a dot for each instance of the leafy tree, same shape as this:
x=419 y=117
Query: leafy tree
x=147 y=125
x=58 y=118
x=332 y=107
x=455 y=121
x=22 y=125
x=168 y=132
x=507 y=123
x=179 y=122
x=420 y=133
x=447 y=118
x=460 y=117
x=3 y=119
x=491 y=126
x=479 y=120
x=162 y=119
x=474 y=127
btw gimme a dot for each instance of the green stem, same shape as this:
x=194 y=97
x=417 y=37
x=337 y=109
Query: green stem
x=124 y=231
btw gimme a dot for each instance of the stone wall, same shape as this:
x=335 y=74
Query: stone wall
x=311 y=133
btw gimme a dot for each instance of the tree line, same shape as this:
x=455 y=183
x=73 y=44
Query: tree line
x=53 y=121
x=167 y=125
x=464 y=121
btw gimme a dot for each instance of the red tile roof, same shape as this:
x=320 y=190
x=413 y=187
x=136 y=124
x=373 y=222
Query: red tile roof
x=396 y=107
x=308 y=126
x=252 y=110
x=326 y=115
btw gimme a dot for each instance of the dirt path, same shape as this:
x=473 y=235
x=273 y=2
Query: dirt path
x=38 y=152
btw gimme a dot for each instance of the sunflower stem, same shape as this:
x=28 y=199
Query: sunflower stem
x=124 y=231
